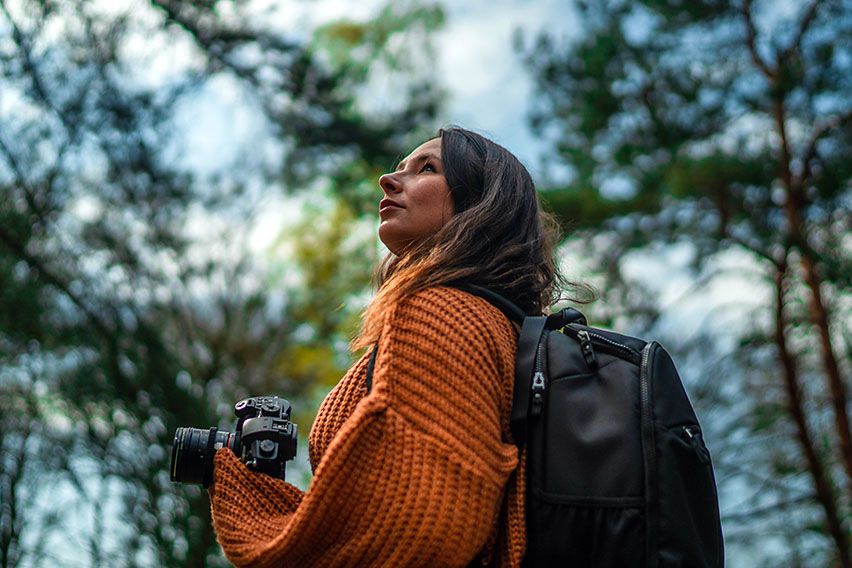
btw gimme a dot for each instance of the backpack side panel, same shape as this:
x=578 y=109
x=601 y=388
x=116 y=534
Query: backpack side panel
x=688 y=526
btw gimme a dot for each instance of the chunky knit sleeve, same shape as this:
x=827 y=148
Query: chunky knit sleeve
x=416 y=475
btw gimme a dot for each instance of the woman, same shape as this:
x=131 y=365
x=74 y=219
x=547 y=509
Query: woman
x=419 y=469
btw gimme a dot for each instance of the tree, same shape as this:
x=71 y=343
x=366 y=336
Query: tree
x=722 y=125
x=118 y=324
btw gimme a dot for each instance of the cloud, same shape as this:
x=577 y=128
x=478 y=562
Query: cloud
x=489 y=88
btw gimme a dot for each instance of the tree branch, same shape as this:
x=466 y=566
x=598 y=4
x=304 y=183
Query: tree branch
x=804 y=24
x=751 y=41
x=795 y=205
x=750 y=514
x=795 y=405
x=20 y=250
x=753 y=248
x=218 y=44
x=817 y=135
x=24 y=45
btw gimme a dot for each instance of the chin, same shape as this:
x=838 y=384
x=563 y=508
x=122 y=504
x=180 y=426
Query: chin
x=396 y=243
x=394 y=247
x=388 y=239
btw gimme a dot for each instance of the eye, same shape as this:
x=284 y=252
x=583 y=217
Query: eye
x=428 y=166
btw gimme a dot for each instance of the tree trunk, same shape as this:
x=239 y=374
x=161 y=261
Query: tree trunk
x=796 y=202
x=824 y=491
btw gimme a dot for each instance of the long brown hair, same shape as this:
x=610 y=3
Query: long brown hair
x=498 y=237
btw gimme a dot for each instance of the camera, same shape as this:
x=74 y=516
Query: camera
x=264 y=439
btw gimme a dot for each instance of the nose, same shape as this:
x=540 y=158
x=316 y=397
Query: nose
x=389 y=183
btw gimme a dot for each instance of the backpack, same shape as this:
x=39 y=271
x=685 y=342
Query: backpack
x=618 y=473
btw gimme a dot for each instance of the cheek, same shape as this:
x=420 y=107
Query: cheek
x=427 y=212
x=449 y=208
x=446 y=208
x=438 y=207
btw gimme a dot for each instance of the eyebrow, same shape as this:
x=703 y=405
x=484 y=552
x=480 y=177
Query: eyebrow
x=419 y=158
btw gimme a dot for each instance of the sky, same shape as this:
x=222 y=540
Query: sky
x=488 y=89
x=487 y=86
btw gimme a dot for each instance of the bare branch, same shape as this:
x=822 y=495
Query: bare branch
x=804 y=24
x=220 y=43
x=751 y=514
x=24 y=45
x=20 y=250
x=21 y=181
x=753 y=248
x=751 y=41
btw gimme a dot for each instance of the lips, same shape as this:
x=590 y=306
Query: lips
x=384 y=203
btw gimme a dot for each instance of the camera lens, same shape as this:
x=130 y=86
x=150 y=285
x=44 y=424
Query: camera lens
x=192 y=453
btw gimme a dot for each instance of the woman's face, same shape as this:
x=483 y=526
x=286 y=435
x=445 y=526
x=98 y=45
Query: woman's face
x=417 y=199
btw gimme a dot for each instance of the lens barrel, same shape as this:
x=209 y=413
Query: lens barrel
x=193 y=450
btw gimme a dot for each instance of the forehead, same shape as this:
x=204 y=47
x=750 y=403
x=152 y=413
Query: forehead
x=429 y=148
x=432 y=146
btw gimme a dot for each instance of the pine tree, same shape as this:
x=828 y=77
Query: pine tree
x=726 y=125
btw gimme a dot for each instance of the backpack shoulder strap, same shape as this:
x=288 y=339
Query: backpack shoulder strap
x=509 y=308
x=528 y=340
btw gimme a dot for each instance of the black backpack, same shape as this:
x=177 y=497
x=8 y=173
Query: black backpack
x=618 y=474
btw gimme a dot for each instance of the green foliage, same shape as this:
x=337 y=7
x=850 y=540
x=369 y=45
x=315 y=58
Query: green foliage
x=333 y=256
x=22 y=302
x=357 y=46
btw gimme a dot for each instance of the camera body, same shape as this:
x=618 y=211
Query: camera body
x=264 y=439
x=267 y=437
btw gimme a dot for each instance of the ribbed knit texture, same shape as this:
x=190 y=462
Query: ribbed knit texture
x=419 y=472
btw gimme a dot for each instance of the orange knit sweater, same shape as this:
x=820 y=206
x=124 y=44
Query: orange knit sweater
x=419 y=472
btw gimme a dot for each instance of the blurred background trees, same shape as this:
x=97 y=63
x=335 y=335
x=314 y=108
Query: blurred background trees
x=718 y=133
x=130 y=302
x=150 y=277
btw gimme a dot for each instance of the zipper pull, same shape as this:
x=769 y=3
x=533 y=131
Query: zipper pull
x=694 y=437
x=587 y=349
x=537 y=393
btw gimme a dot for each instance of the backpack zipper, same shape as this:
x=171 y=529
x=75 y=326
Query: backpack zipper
x=649 y=455
x=588 y=349
x=538 y=383
x=693 y=436
x=604 y=343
